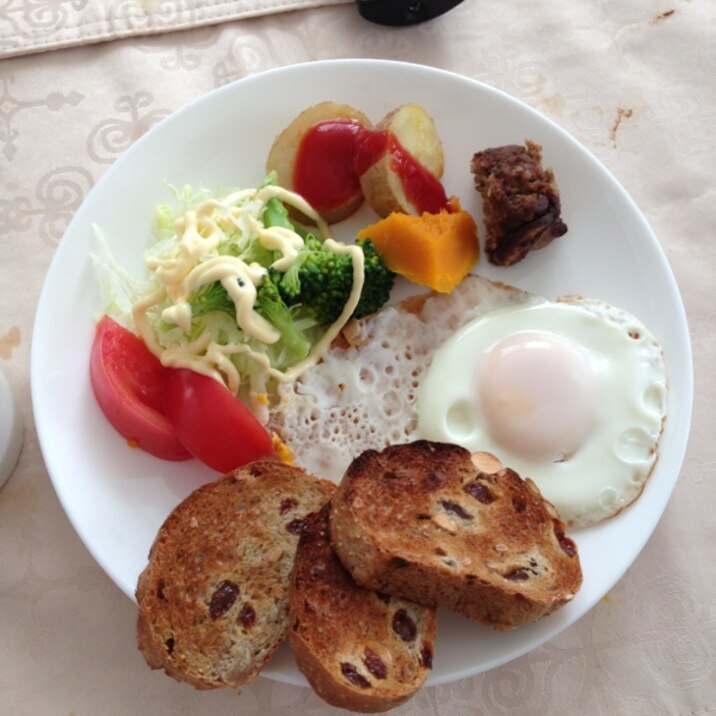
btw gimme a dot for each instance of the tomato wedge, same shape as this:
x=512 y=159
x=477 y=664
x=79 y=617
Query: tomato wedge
x=127 y=382
x=215 y=427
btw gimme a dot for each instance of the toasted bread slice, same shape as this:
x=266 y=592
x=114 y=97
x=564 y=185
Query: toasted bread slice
x=285 y=148
x=416 y=133
x=213 y=599
x=359 y=650
x=425 y=521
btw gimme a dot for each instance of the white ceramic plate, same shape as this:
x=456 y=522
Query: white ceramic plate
x=116 y=497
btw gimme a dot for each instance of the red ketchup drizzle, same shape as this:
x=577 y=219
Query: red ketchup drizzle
x=323 y=172
x=335 y=153
x=422 y=188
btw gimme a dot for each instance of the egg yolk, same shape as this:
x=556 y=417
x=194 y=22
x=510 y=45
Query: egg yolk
x=537 y=395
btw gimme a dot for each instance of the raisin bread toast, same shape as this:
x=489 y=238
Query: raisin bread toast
x=213 y=599
x=432 y=523
x=359 y=649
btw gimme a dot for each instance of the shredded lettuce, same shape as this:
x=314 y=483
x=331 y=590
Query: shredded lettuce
x=118 y=289
x=213 y=313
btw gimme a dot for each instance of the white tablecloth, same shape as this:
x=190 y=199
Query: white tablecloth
x=634 y=82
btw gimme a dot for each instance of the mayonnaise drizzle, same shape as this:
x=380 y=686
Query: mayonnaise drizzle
x=197 y=262
x=335 y=328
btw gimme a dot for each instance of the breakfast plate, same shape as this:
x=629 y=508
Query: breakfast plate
x=117 y=497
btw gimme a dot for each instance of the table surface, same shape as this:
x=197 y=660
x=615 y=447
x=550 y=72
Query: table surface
x=634 y=82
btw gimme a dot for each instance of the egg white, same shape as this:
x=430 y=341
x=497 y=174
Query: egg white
x=363 y=396
x=607 y=470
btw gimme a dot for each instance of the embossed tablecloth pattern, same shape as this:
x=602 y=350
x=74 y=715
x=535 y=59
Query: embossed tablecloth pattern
x=634 y=82
x=38 y=25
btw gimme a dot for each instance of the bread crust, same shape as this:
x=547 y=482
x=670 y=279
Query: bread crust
x=421 y=520
x=213 y=598
x=358 y=649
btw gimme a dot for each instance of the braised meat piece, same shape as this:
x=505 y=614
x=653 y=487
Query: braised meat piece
x=520 y=201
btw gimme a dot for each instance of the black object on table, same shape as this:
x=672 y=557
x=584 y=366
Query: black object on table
x=403 y=12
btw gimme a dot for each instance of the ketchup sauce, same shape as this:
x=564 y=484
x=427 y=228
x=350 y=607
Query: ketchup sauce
x=334 y=154
x=323 y=171
x=422 y=188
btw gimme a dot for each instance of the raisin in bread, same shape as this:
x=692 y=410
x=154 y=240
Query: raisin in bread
x=359 y=649
x=213 y=599
x=430 y=522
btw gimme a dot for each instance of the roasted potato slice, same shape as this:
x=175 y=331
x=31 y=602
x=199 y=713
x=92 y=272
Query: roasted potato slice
x=283 y=153
x=416 y=132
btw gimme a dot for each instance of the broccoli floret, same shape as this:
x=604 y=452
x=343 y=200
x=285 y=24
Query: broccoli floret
x=378 y=282
x=312 y=292
x=272 y=307
x=214 y=297
x=211 y=297
x=276 y=214
x=321 y=281
x=324 y=280
x=291 y=281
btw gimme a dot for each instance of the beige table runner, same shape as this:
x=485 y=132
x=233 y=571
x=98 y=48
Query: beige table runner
x=28 y=26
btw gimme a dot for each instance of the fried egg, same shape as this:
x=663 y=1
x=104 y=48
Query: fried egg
x=363 y=396
x=469 y=368
x=570 y=393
